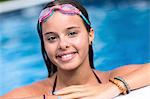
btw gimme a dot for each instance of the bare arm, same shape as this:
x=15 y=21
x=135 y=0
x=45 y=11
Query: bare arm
x=135 y=75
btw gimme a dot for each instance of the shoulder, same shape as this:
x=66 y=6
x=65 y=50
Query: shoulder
x=103 y=76
x=26 y=91
x=32 y=90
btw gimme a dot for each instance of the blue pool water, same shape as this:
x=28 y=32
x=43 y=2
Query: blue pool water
x=121 y=37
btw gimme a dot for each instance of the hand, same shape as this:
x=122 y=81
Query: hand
x=97 y=91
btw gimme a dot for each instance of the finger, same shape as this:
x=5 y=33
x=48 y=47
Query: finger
x=75 y=95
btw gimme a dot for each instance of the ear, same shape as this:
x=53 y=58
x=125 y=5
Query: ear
x=91 y=36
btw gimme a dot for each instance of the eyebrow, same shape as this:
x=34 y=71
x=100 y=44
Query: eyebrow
x=49 y=33
x=72 y=27
x=69 y=28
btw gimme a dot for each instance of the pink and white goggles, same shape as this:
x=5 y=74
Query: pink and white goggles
x=65 y=9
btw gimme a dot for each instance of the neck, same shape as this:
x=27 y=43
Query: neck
x=78 y=76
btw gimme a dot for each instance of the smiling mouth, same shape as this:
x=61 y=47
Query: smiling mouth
x=66 y=57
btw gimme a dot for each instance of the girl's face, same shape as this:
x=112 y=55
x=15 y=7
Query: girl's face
x=66 y=41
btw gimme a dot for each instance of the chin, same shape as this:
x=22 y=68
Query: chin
x=69 y=67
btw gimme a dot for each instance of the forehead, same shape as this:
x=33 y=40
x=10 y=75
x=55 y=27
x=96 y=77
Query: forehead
x=60 y=21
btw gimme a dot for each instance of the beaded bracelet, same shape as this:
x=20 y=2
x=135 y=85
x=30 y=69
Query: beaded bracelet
x=125 y=84
x=117 y=83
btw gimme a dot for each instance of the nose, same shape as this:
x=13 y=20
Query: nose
x=63 y=44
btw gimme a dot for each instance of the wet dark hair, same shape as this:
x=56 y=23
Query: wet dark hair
x=50 y=66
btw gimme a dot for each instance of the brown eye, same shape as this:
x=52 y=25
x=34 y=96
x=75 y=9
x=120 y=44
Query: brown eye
x=72 y=34
x=52 y=38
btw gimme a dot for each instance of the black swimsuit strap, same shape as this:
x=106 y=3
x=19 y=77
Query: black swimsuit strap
x=97 y=77
x=55 y=81
x=44 y=96
x=54 y=86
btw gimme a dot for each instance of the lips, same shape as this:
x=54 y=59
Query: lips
x=65 y=57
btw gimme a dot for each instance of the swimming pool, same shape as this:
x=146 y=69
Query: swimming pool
x=121 y=37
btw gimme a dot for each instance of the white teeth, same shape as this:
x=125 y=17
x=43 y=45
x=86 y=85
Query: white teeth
x=66 y=57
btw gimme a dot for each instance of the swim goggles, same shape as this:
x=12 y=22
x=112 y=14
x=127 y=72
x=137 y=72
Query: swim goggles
x=65 y=9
